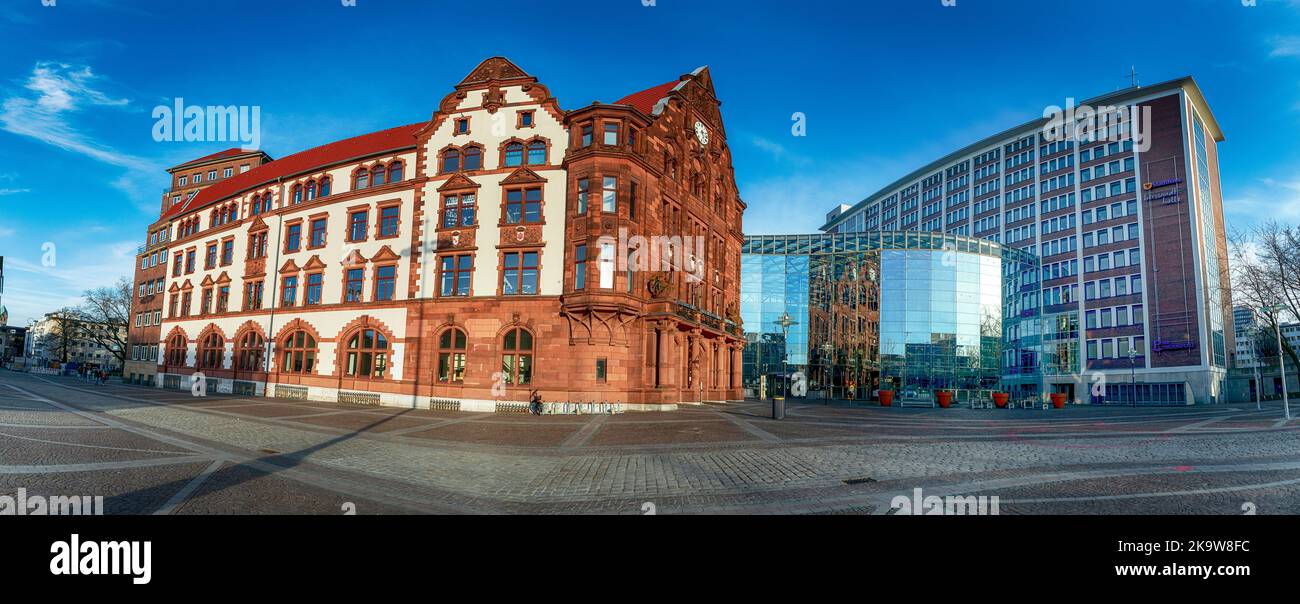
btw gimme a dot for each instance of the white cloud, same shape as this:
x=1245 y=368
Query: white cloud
x=1284 y=46
x=4 y=192
x=1273 y=199
x=31 y=289
x=53 y=93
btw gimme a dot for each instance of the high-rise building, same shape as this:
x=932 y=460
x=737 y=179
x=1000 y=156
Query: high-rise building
x=504 y=245
x=1125 y=212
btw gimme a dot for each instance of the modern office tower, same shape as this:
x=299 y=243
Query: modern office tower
x=1123 y=206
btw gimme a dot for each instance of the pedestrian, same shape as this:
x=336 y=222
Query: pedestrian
x=535 y=403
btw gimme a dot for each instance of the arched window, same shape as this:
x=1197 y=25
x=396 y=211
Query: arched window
x=451 y=356
x=324 y=187
x=473 y=158
x=514 y=154
x=517 y=356
x=266 y=202
x=299 y=353
x=248 y=352
x=451 y=160
x=395 y=172
x=256 y=207
x=536 y=153
x=234 y=213
x=297 y=194
x=176 y=350
x=367 y=355
x=311 y=190
x=361 y=179
x=212 y=351
x=376 y=176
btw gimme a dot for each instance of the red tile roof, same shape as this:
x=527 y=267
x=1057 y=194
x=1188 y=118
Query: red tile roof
x=646 y=99
x=220 y=154
x=400 y=137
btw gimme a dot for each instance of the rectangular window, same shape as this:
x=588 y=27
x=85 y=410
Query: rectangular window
x=520 y=274
x=385 y=282
x=293 y=238
x=388 y=218
x=253 y=295
x=315 y=282
x=525 y=119
x=223 y=298
x=317 y=233
x=1121 y=316
x=611 y=133
x=1108 y=349
x=524 y=205
x=289 y=291
x=580 y=267
x=602 y=366
x=606 y=265
x=357 y=222
x=632 y=200
x=227 y=252
x=185 y=304
x=462 y=126
x=1092 y=349
x=456 y=272
x=583 y=191
x=609 y=195
x=211 y=260
x=458 y=210
x=586 y=135
x=352 y=284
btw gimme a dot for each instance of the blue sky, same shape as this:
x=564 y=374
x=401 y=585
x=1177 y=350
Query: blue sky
x=886 y=87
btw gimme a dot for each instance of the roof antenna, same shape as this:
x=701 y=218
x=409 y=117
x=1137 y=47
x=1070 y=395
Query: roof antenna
x=1133 y=75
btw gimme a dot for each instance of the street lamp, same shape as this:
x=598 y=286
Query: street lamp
x=785 y=322
x=1281 y=360
x=1132 y=368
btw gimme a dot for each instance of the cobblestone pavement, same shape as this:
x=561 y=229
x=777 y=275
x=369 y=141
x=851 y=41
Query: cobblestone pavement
x=149 y=451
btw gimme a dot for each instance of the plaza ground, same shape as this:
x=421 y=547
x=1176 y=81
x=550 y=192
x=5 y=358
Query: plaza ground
x=151 y=451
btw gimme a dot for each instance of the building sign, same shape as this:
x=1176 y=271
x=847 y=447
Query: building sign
x=1165 y=345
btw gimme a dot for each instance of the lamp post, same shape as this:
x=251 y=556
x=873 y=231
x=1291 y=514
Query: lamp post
x=785 y=322
x=1281 y=360
x=1132 y=369
x=1254 y=361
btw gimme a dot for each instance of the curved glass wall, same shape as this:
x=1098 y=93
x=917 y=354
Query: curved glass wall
x=844 y=315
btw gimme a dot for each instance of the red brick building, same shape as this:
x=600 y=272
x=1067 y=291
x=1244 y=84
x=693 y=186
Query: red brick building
x=502 y=246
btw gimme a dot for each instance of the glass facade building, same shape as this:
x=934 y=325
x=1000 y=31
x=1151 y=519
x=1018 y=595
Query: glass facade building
x=844 y=315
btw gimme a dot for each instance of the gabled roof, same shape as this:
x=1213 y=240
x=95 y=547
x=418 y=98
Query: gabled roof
x=401 y=137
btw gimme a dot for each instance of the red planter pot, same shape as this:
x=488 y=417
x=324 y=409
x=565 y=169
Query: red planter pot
x=1000 y=399
x=945 y=398
x=1058 y=400
x=886 y=398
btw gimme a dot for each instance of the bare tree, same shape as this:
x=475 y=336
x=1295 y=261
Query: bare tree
x=1266 y=277
x=59 y=336
x=107 y=311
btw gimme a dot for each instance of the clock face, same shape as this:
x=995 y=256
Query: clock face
x=702 y=133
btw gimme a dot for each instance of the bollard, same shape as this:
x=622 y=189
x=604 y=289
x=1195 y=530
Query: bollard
x=778 y=407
